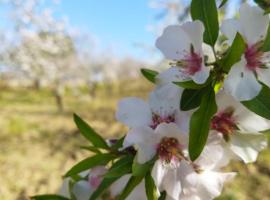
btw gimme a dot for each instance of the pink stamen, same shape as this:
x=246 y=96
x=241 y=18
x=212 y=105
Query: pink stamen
x=169 y=150
x=156 y=120
x=253 y=57
x=192 y=63
x=224 y=123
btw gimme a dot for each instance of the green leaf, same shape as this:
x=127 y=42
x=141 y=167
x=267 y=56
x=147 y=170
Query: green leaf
x=91 y=148
x=266 y=44
x=150 y=187
x=206 y=11
x=99 y=159
x=132 y=183
x=234 y=53
x=49 y=197
x=149 y=74
x=261 y=103
x=162 y=196
x=105 y=183
x=191 y=99
x=121 y=167
x=223 y=3
x=141 y=169
x=200 y=123
x=118 y=144
x=89 y=133
x=190 y=85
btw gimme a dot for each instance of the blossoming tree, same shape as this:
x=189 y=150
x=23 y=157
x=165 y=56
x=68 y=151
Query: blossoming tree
x=208 y=108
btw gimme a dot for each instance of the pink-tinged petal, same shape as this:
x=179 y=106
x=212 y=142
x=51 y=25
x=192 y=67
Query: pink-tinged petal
x=174 y=42
x=133 y=112
x=253 y=23
x=96 y=175
x=241 y=83
x=247 y=146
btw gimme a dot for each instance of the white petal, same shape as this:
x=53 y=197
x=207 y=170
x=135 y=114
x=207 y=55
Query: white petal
x=209 y=184
x=247 y=146
x=158 y=173
x=64 y=190
x=138 y=135
x=253 y=22
x=229 y=28
x=264 y=76
x=195 y=31
x=146 y=152
x=241 y=83
x=82 y=190
x=133 y=112
x=173 y=74
x=201 y=76
x=171 y=183
x=164 y=100
x=117 y=187
x=213 y=157
x=174 y=42
x=171 y=130
x=182 y=120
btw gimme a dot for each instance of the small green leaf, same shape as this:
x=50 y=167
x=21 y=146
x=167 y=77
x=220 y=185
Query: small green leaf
x=149 y=74
x=99 y=159
x=141 y=169
x=89 y=133
x=121 y=167
x=261 y=103
x=200 y=123
x=234 y=53
x=91 y=148
x=150 y=187
x=190 y=85
x=132 y=183
x=223 y=3
x=266 y=44
x=49 y=197
x=206 y=11
x=191 y=99
x=162 y=196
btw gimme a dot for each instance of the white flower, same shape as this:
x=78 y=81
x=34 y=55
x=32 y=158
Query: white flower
x=252 y=24
x=183 y=44
x=163 y=106
x=237 y=129
x=202 y=180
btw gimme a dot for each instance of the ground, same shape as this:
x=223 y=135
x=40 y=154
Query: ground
x=38 y=144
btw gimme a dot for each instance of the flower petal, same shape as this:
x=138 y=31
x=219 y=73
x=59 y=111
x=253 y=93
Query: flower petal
x=174 y=42
x=229 y=28
x=134 y=112
x=173 y=74
x=264 y=75
x=164 y=100
x=241 y=83
x=82 y=190
x=247 y=146
x=201 y=76
x=195 y=31
x=253 y=23
x=158 y=173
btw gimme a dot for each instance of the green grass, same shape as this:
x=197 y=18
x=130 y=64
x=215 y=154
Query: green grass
x=38 y=144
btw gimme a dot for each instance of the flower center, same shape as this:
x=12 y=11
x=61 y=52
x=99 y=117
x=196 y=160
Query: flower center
x=192 y=63
x=169 y=149
x=224 y=123
x=157 y=119
x=253 y=57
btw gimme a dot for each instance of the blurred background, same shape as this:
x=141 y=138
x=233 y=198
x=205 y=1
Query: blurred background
x=60 y=57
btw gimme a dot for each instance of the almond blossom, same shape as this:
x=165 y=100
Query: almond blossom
x=243 y=79
x=183 y=45
x=238 y=130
